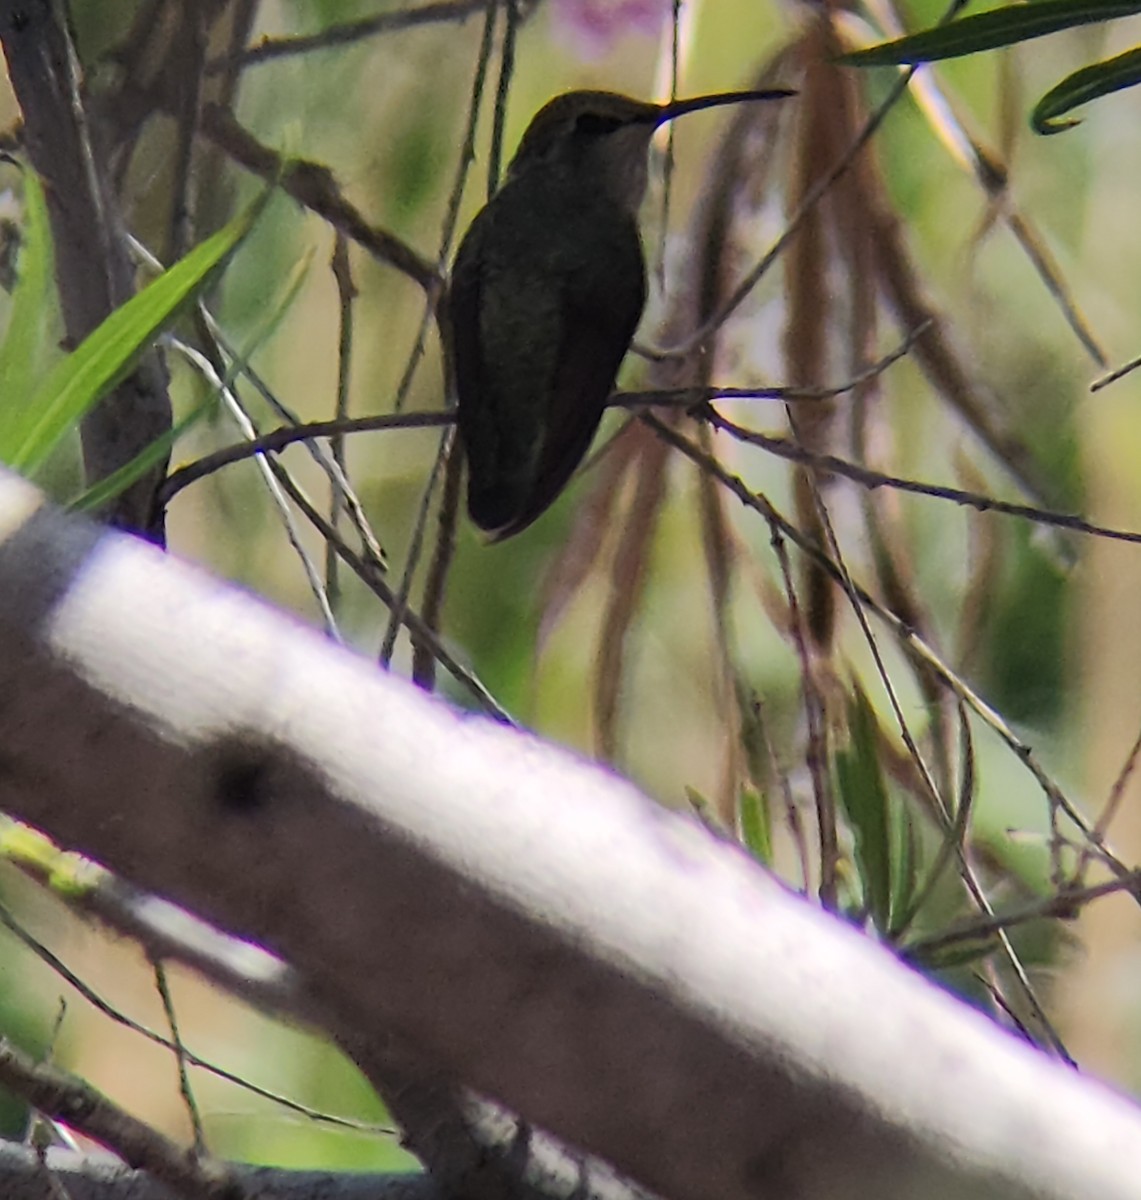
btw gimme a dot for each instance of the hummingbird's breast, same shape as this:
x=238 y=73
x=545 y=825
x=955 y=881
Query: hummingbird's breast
x=565 y=218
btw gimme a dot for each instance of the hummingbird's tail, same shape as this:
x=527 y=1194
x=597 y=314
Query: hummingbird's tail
x=493 y=507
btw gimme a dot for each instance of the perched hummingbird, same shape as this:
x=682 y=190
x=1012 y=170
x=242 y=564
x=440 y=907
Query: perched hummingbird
x=547 y=290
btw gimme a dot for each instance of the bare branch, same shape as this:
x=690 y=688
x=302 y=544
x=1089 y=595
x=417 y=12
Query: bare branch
x=101 y=1177
x=278 y=439
x=869 y=478
x=314 y=187
x=1066 y=904
x=166 y=931
x=76 y=1104
x=270 y=49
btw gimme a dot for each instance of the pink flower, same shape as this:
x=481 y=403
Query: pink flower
x=594 y=25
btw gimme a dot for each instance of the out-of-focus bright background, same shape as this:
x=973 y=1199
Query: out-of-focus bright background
x=1047 y=627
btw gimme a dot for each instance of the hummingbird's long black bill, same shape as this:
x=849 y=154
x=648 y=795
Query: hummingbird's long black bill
x=678 y=108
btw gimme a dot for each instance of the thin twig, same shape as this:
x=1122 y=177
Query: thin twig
x=270 y=49
x=415 y=549
x=211 y=333
x=1116 y=374
x=1112 y=803
x=42 y=1132
x=686 y=397
x=191 y=36
x=502 y=91
x=816 y=719
x=346 y=294
x=411 y=619
x=423 y=664
x=792 y=816
x=849 y=591
x=671 y=142
x=993 y=177
x=954 y=835
x=180 y=1058
x=279 y=439
x=76 y=1104
x=811 y=198
x=272 y=474
x=866 y=477
x=1062 y=905
x=338 y=480
x=792 y=393
x=60 y=968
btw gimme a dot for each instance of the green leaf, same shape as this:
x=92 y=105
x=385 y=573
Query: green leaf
x=756 y=825
x=1085 y=85
x=118 y=481
x=905 y=861
x=954 y=836
x=110 y=486
x=33 y=304
x=274 y=313
x=989 y=30
x=864 y=797
x=705 y=812
x=107 y=355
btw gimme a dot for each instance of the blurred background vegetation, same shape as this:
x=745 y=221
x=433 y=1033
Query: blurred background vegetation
x=664 y=635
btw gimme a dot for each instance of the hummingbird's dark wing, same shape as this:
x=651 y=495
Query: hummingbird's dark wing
x=540 y=323
x=600 y=317
x=498 y=314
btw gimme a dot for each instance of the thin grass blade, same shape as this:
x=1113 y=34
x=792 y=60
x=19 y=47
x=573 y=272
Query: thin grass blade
x=32 y=308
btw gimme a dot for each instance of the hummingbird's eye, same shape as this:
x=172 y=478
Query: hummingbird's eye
x=596 y=124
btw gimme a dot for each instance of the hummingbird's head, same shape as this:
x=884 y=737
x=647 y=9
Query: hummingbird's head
x=580 y=116
x=599 y=137
x=606 y=136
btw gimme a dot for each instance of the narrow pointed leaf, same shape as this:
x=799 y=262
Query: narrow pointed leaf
x=32 y=306
x=756 y=825
x=101 y=493
x=904 y=860
x=955 y=836
x=989 y=30
x=863 y=794
x=107 y=355
x=1085 y=85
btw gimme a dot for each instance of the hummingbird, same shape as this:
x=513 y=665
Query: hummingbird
x=546 y=291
